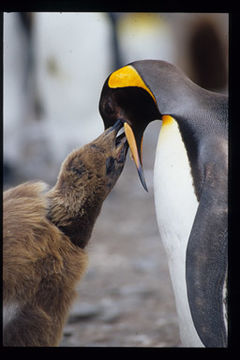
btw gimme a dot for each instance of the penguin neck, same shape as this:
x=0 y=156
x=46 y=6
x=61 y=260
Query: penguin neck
x=176 y=94
x=188 y=101
x=73 y=215
x=191 y=141
x=195 y=117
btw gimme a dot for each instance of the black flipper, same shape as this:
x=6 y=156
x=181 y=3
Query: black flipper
x=206 y=258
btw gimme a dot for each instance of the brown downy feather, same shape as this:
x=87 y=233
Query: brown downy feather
x=44 y=233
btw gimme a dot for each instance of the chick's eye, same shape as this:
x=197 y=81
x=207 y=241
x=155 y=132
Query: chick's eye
x=110 y=165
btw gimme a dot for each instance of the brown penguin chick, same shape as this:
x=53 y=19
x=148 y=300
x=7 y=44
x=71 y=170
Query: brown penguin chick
x=44 y=234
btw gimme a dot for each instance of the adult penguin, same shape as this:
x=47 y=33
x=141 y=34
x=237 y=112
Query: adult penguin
x=190 y=184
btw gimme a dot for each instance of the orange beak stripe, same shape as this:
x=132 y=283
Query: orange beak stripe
x=132 y=144
x=134 y=152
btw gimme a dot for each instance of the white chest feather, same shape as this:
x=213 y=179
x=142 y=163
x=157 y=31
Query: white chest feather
x=176 y=205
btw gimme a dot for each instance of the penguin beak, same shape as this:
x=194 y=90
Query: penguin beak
x=136 y=154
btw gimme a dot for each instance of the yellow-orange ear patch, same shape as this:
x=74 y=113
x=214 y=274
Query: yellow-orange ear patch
x=127 y=76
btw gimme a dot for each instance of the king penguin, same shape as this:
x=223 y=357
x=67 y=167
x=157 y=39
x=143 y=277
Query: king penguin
x=190 y=184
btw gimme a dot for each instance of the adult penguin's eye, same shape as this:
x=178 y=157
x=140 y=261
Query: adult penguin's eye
x=108 y=108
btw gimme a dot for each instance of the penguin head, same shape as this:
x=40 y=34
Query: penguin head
x=94 y=168
x=125 y=97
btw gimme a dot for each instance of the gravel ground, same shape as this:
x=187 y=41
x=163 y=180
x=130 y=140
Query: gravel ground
x=125 y=298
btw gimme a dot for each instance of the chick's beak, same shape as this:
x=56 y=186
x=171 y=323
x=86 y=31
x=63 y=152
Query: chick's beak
x=136 y=154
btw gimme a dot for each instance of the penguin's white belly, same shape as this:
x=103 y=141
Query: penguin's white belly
x=176 y=205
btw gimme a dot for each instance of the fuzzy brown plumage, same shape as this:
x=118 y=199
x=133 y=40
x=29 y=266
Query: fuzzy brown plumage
x=44 y=233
